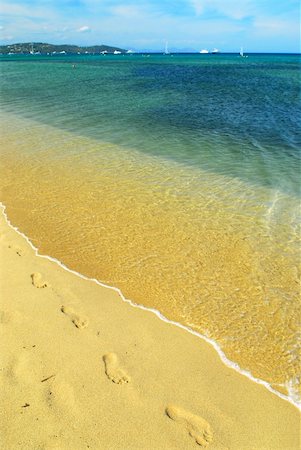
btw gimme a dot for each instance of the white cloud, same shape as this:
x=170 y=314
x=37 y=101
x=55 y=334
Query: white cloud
x=267 y=26
x=233 y=9
x=19 y=10
x=84 y=29
x=7 y=38
x=126 y=10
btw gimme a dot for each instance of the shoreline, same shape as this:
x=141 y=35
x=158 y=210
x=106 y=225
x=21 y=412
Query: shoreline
x=79 y=365
x=190 y=225
x=228 y=363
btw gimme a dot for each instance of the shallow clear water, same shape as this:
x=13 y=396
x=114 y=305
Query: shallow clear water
x=224 y=113
x=175 y=178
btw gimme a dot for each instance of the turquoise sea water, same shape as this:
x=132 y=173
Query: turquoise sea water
x=177 y=179
x=236 y=116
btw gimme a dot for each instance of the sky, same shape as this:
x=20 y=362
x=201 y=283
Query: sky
x=187 y=25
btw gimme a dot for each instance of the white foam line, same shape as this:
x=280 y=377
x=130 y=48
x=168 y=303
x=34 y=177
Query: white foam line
x=223 y=357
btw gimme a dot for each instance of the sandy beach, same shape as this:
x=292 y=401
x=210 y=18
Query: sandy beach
x=83 y=369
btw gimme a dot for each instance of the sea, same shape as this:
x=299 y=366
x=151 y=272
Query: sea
x=175 y=178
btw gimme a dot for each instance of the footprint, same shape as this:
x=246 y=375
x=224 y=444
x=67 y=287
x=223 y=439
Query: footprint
x=37 y=281
x=22 y=369
x=60 y=397
x=79 y=321
x=113 y=371
x=196 y=426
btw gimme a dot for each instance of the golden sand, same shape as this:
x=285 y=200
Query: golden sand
x=83 y=369
x=181 y=245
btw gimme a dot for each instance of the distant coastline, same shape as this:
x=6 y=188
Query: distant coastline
x=41 y=48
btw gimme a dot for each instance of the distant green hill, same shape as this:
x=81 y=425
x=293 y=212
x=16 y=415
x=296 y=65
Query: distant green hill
x=44 y=49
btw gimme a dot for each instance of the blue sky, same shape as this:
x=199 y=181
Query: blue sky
x=258 y=25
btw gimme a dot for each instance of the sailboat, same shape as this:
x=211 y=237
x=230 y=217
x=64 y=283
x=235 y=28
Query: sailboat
x=241 y=53
x=166 y=52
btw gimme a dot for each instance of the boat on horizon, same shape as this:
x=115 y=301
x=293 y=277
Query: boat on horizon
x=241 y=53
x=204 y=51
x=215 y=50
x=166 y=52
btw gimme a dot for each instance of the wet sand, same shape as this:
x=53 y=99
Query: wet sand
x=83 y=369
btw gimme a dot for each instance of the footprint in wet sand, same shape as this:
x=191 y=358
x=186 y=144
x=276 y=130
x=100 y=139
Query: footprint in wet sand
x=196 y=426
x=79 y=321
x=37 y=281
x=113 y=371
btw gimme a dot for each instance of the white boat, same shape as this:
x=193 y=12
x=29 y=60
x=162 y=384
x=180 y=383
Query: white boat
x=204 y=51
x=117 y=52
x=215 y=50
